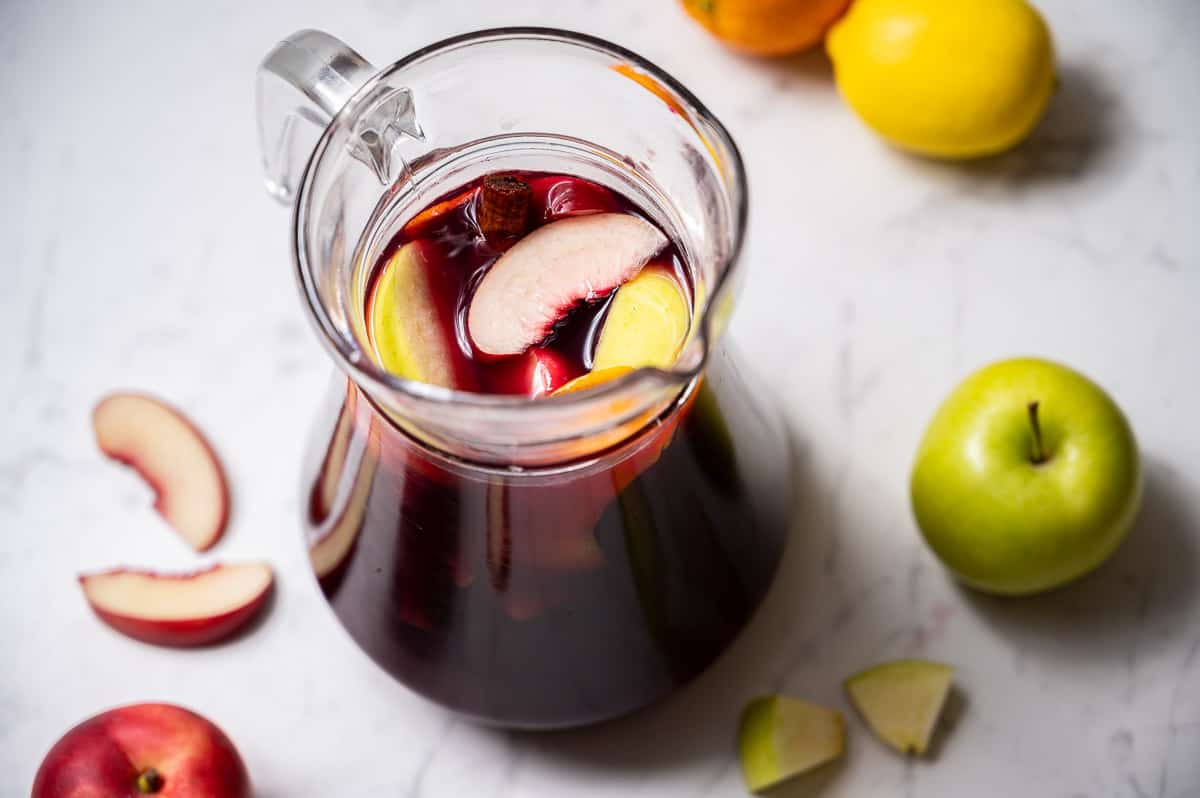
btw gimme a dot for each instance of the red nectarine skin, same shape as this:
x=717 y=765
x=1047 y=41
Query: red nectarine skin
x=179 y=633
x=537 y=373
x=104 y=755
x=559 y=196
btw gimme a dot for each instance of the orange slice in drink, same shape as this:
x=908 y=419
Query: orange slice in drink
x=593 y=378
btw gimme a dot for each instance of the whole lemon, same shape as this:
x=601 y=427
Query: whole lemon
x=946 y=78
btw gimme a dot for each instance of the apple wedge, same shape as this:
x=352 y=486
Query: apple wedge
x=179 y=609
x=646 y=324
x=171 y=455
x=782 y=737
x=902 y=700
x=410 y=328
x=535 y=284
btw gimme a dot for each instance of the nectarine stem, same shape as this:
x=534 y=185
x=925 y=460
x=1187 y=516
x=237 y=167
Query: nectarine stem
x=149 y=781
x=1039 y=451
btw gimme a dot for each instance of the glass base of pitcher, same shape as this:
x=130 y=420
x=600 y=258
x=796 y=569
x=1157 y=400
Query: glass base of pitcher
x=553 y=600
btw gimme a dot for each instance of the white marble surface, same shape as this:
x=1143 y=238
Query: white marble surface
x=140 y=250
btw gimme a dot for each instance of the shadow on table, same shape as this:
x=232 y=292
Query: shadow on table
x=698 y=724
x=1151 y=579
x=1077 y=134
x=811 y=66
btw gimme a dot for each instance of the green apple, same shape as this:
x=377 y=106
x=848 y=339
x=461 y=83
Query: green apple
x=782 y=737
x=902 y=700
x=1028 y=477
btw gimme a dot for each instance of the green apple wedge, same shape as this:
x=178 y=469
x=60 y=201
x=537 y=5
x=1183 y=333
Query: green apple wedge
x=901 y=701
x=782 y=737
x=408 y=326
x=1028 y=477
x=646 y=324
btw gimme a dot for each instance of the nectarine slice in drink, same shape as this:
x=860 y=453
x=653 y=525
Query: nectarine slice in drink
x=535 y=284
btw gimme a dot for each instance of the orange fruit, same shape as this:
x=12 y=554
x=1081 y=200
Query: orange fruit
x=417 y=225
x=593 y=378
x=767 y=27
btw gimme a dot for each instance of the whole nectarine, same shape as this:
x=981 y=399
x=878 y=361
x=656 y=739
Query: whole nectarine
x=143 y=749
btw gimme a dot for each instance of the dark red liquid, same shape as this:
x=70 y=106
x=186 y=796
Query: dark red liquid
x=460 y=255
x=551 y=598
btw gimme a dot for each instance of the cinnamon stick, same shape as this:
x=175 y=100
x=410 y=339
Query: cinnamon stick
x=503 y=206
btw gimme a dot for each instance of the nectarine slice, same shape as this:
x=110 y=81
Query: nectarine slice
x=536 y=283
x=179 y=609
x=158 y=442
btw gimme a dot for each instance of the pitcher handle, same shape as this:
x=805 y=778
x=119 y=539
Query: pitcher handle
x=302 y=84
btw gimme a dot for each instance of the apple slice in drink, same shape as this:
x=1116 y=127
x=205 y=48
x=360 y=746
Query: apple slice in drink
x=410 y=322
x=534 y=285
x=902 y=700
x=647 y=323
x=168 y=452
x=782 y=737
x=179 y=609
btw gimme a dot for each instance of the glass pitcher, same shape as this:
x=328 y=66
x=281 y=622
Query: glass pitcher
x=534 y=564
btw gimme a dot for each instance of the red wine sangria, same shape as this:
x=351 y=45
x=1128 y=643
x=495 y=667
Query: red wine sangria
x=542 y=493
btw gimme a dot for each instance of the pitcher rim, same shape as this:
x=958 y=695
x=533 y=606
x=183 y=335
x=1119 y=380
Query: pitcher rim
x=362 y=369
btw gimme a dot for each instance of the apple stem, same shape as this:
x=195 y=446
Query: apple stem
x=1039 y=450
x=149 y=781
